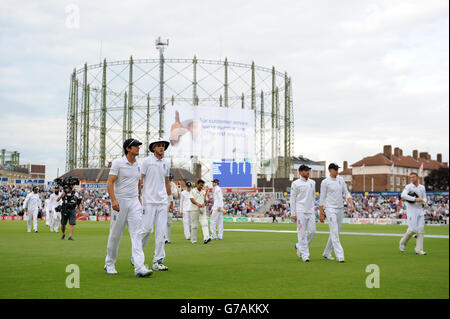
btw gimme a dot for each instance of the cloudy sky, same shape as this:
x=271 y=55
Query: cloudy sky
x=364 y=73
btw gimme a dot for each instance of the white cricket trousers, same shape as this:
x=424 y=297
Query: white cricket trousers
x=416 y=225
x=48 y=218
x=32 y=218
x=196 y=216
x=416 y=219
x=56 y=221
x=306 y=228
x=216 y=223
x=130 y=215
x=335 y=217
x=187 y=224
x=155 y=218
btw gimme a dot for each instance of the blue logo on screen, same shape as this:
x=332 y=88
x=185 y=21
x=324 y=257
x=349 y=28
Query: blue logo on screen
x=233 y=174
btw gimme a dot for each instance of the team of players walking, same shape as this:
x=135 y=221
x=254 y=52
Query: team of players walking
x=332 y=192
x=142 y=198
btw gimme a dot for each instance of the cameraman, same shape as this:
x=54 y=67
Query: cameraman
x=70 y=204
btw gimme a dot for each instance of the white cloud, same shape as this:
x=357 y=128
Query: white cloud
x=364 y=73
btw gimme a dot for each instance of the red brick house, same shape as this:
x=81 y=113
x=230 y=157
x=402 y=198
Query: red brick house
x=389 y=171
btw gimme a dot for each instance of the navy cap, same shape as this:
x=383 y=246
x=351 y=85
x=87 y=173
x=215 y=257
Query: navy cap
x=131 y=142
x=188 y=184
x=304 y=167
x=215 y=180
x=333 y=166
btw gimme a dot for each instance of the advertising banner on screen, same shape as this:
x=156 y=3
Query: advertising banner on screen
x=209 y=132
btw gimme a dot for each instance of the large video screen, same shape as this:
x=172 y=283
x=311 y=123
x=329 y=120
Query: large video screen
x=233 y=174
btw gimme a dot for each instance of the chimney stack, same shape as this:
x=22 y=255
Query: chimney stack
x=423 y=155
x=387 y=151
x=345 y=164
x=398 y=152
x=416 y=154
x=439 y=158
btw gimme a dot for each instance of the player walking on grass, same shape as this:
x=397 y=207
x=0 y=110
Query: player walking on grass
x=217 y=212
x=48 y=215
x=56 y=216
x=302 y=205
x=332 y=192
x=156 y=194
x=124 y=190
x=185 y=207
x=416 y=197
x=32 y=204
x=198 y=203
x=175 y=195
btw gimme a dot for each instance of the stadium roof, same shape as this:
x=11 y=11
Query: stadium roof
x=303 y=160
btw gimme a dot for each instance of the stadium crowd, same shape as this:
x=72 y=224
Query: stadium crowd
x=375 y=206
x=242 y=204
x=97 y=203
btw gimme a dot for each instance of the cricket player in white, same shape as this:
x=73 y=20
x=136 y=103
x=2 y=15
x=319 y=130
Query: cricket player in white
x=156 y=195
x=124 y=190
x=175 y=195
x=217 y=212
x=56 y=216
x=185 y=207
x=48 y=215
x=32 y=204
x=198 y=204
x=415 y=197
x=303 y=192
x=333 y=190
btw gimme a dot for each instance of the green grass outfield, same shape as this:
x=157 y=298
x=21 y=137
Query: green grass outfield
x=243 y=265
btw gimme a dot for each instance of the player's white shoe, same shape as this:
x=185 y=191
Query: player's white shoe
x=306 y=259
x=329 y=257
x=341 y=260
x=145 y=272
x=420 y=252
x=402 y=248
x=110 y=270
x=159 y=266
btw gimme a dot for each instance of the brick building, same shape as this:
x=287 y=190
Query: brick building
x=36 y=171
x=9 y=174
x=389 y=171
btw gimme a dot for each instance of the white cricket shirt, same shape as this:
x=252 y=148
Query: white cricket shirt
x=53 y=203
x=333 y=191
x=185 y=201
x=419 y=190
x=198 y=196
x=128 y=175
x=303 y=193
x=217 y=197
x=32 y=201
x=174 y=190
x=155 y=172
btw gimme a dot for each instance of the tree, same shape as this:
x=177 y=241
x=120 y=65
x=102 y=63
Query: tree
x=437 y=180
